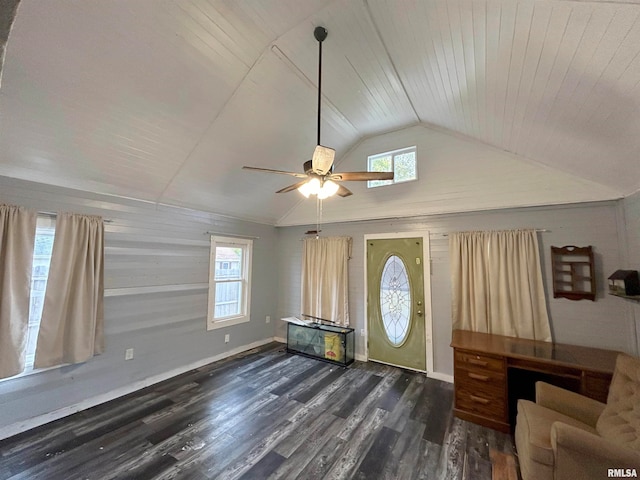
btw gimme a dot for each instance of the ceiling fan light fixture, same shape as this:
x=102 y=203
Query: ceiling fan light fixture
x=323 y=190
x=312 y=187
x=328 y=189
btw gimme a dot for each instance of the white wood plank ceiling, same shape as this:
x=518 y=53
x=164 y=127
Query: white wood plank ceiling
x=165 y=100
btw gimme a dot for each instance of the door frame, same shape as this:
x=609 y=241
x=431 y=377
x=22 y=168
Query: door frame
x=426 y=273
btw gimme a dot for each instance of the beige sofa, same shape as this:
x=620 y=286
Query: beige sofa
x=566 y=436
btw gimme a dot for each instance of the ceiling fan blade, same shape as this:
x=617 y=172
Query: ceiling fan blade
x=282 y=172
x=344 y=191
x=292 y=187
x=361 y=176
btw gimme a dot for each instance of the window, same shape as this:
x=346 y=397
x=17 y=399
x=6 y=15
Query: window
x=401 y=162
x=47 y=228
x=395 y=300
x=43 y=246
x=229 y=281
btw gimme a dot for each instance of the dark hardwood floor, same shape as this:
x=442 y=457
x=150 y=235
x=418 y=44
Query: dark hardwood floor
x=267 y=414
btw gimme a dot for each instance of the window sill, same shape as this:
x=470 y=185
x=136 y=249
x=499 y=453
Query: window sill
x=32 y=371
x=227 y=322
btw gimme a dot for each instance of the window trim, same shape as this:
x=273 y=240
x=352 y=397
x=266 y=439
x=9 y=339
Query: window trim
x=393 y=154
x=247 y=247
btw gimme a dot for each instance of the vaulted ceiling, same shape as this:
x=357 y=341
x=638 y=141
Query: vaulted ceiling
x=165 y=100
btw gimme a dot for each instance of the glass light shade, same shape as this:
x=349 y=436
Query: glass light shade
x=328 y=189
x=312 y=187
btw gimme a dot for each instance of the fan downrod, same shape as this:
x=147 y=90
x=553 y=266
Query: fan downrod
x=323 y=156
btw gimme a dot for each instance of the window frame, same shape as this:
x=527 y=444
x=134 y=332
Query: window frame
x=393 y=154
x=245 y=277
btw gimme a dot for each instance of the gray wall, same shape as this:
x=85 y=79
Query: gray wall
x=605 y=323
x=148 y=248
x=631 y=207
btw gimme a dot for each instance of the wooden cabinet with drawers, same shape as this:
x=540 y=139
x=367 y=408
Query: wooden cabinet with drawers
x=484 y=365
x=480 y=389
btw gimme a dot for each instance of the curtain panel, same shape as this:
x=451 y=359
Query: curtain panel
x=17 y=236
x=497 y=285
x=325 y=278
x=71 y=330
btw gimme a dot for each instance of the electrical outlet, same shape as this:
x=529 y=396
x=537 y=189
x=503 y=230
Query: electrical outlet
x=362 y=332
x=226 y=338
x=268 y=319
x=128 y=354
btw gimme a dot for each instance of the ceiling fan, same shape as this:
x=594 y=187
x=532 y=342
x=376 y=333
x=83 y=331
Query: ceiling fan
x=319 y=178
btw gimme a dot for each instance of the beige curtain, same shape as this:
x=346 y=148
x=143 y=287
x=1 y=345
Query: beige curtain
x=497 y=284
x=17 y=234
x=325 y=278
x=71 y=330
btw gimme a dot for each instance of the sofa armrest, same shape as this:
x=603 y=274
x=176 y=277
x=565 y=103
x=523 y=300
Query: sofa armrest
x=574 y=405
x=584 y=455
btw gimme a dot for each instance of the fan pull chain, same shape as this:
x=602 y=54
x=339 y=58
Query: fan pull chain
x=318 y=216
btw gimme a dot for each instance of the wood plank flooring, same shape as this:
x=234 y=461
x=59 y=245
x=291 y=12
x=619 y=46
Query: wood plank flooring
x=266 y=414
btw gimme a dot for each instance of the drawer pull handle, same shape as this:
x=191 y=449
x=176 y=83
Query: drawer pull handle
x=475 y=376
x=482 y=363
x=481 y=400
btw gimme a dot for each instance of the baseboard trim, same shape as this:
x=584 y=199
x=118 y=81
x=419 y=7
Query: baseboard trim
x=363 y=358
x=441 y=376
x=24 y=425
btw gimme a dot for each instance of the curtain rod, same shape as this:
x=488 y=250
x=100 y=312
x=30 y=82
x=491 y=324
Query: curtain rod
x=234 y=235
x=54 y=214
x=542 y=230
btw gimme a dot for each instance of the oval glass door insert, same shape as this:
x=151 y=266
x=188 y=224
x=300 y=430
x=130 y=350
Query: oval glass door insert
x=395 y=300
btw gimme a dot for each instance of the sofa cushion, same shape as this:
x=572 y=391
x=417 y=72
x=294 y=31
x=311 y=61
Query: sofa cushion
x=620 y=419
x=534 y=422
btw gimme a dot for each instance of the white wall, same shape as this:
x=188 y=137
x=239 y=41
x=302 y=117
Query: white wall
x=604 y=323
x=152 y=248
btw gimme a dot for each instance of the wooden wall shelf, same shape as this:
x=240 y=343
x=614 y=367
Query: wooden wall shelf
x=628 y=297
x=573 y=273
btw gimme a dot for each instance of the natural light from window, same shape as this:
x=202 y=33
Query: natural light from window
x=43 y=246
x=229 y=281
x=401 y=162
